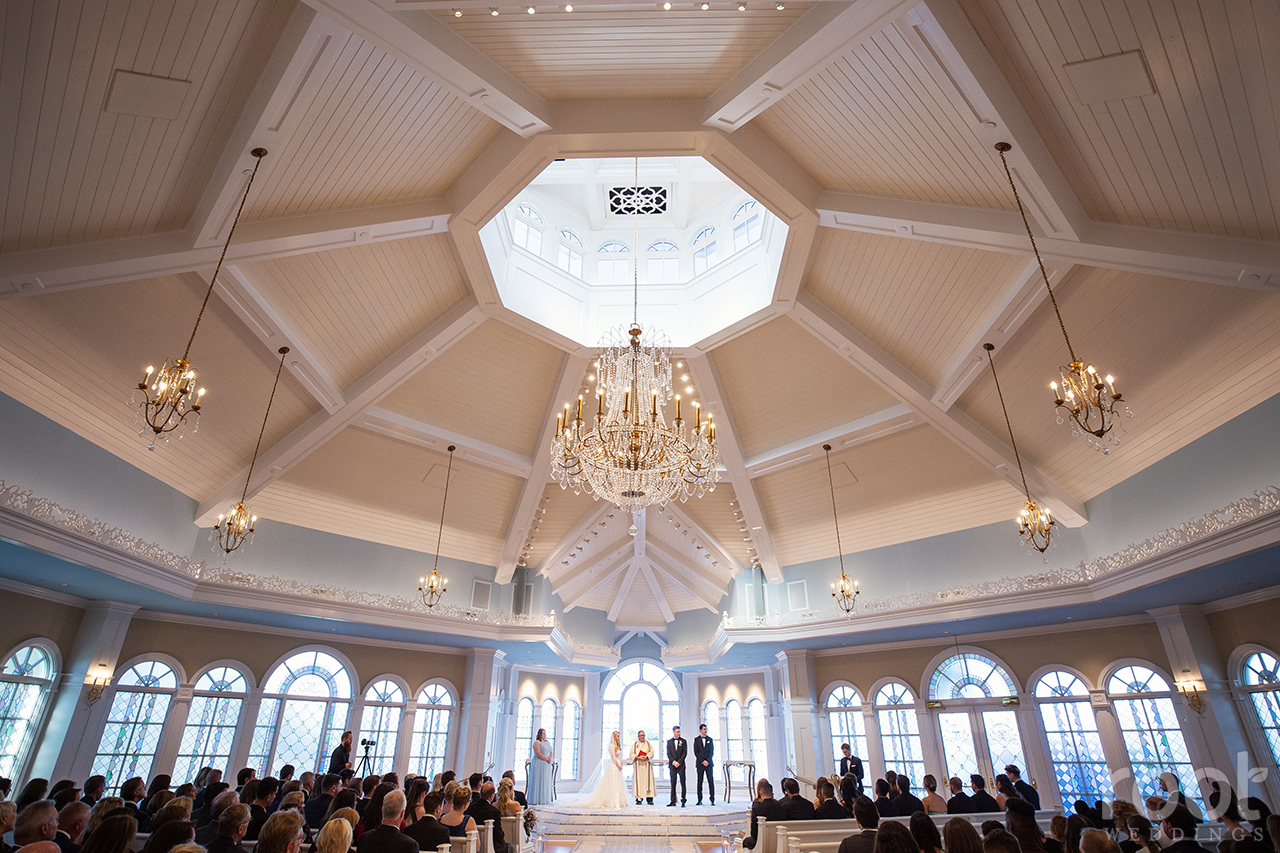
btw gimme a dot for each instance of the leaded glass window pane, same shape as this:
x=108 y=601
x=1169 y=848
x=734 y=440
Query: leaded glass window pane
x=1075 y=749
x=957 y=744
x=132 y=733
x=970 y=676
x=570 y=737
x=24 y=688
x=734 y=722
x=264 y=736
x=900 y=731
x=844 y=712
x=1004 y=740
x=380 y=723
x=208 y=735
x=524 y=735
x=431 y=731
x=29 y=662
x=1154 y=741
x=302 y=727
x=711 y=716
x=756 y=729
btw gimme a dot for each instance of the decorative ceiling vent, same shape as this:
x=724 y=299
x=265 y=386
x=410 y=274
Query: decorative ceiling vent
x=642 y=201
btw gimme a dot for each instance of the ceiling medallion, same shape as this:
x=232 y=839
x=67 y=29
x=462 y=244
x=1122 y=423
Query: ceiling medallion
x=170 y=395
x=433 y=587
x=1034 y=522
x=631 y=456
x=1090 y=400
x=844 y=591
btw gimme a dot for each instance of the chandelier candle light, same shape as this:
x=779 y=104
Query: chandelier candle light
x=631 y=456
x=1089 y=399
x=433 y=587
x=235 y=527
x=169 y=395
x=1034 y=522
x=844 y=591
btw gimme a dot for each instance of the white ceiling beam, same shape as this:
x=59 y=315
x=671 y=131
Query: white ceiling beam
x=412 y=431
x=429 y=46
x=714 y=546
x=842 y=437
x=715 y=582
x=713 y=401
x=664 y=606
x=968 y=434
x=572 y=370
x=945 y=41
x=573 y=538
x=816 y=38
x=1229 y=261
x=675 y=578
x=304 y=54
x=573 y=596
x=619 y=600
x=276 y=460
x=689 y=578
x=37 y=271
x=1019 y=303
x=580 y=576
x=236 y=288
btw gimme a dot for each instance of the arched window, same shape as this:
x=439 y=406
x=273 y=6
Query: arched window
x=571 y=253
x=663 y=263
x=734 y=739
x=524 y=735
x=900 y=731
x=1260 y=677
x=746 y=225
x=431 y=731
x=25 y=682
x=638 y=696
x=711 y=716
x=570 y=738
x=210 y=732
x=135 y=722
x=704 y=250
x=380 y=723
x=547 y=720
x=844 y=712
x=1149 y=725
x=305 y=701
x=756 y=733
x=613 y=263
x=1075 y=748
x=984 y=737
x=526 y=231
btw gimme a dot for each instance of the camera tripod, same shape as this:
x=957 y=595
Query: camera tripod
x=364 y=768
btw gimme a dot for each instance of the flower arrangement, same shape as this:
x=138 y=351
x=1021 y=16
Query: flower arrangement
x=530 y=821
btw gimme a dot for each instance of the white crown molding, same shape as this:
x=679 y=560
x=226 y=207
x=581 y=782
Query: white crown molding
x=1256 y=596
x=56 y=596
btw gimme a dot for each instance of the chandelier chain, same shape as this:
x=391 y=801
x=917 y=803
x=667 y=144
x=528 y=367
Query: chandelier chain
x=443 y=503
x=1016 y=457
x=284 y=351
x=258 y=153
x=832 y=484
x=635 y=261
x=1002 y=148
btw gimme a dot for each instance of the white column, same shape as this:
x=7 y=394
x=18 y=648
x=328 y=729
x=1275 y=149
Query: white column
x=481 y=691
x=71 y=736
x=404 y=738
x=873 y=762
x=1113 y=747
x=171 y=735
x=505 y=736
x=800 y=684
x=776 y=727
x=243 y=740
x=1039 y=769
x=930 y=741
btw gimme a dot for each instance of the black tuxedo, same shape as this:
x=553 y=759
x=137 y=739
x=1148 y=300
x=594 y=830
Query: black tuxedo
x=853 y=766
x=960 y=803
x=677 y=750
x=64 y=842
x=1030 y=794
x=704 y=749
x=387 y=839
x=797 y=808
x=906 y=804
x=428 y=832
x=769 y=809
x=984 y=803
x=483 y=810
x=830 y=810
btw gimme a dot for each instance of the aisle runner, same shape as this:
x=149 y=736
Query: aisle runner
x=649 y=846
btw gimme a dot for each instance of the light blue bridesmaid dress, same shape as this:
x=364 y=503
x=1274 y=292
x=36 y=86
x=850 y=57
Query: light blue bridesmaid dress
x=540 y=789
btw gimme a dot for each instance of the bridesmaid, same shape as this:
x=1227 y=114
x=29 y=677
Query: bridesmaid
x=540 y=790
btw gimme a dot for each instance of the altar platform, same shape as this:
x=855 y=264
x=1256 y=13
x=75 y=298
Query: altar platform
x=562 y=824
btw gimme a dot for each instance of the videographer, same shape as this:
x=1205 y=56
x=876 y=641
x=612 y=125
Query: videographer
x=341 y=758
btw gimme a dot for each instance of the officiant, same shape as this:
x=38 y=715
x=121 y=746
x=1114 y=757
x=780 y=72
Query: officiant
x=642 y=771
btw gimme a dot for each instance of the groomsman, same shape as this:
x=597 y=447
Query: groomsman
x=704 y=749
x=851 y=764
x=677 y=749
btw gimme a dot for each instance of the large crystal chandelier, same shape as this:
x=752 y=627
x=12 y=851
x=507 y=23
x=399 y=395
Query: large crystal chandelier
x=631 y=456
x=1085 y=396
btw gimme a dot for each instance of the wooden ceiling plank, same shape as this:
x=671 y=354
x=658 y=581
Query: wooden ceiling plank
x=572 y=537
x=382 y=380
x=710 y=542
x=577 y=581
x=428 y=435
x=869 y=428
x=713 y=400
x=698 y=582
x=865 y=355
x=426 y=44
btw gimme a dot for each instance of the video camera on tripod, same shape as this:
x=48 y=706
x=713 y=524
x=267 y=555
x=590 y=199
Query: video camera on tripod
x=368 y=744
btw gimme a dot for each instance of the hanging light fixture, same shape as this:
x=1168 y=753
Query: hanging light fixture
x=1088 y=398
x=631 y=456
x=433 y=587
x=844 y=591
x=169 y=395
x=1034 y=522
x=235 y=527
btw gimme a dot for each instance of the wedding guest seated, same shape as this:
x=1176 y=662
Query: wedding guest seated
x=366 y=791
x=506 y=801
x=94 y=789
x=315 y=809
x=386 y=837
x=828 y=808
x=1179 y=827
x=32 y=792
x=980 y=799
x=933 y=804
x=959 y=836
x=178 y=809
x=243 y=777
x=990 y=826
x=204 y=814
x=1175 y=797
x=849 y=792
x=765 y=806
x=1141 y=831
x=114 y=835
x=1057 y=830
x=960 y=802
x=1027 y=792
x=925 y=832
x=415 y=795
x=457 y=821
x=1020 y=820
x=132 y=792
x=99 y=812
x=484 y=810
x=1121 y=811
x=794 y=806
x=884 y=805
x=864 y=840
x=892 y=837
x=427 y=830
x=37 y=822
x=170 y=835
x=999 y=841
x=72 y=820
x=65 y=797
x=160 y=783
x=891 y=777
x=1098 y=841
x=473 y=782
x=186 y=789
x=335 y=837
x=222 y=802
x=233 y=823
x=517 y=793
x=1076 y=825
x=906 y=803
x=264 y=796
x=308 y=782
x=283 y=832
x=372 y=817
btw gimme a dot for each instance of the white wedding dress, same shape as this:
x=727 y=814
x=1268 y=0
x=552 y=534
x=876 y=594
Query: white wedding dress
x=604 y=788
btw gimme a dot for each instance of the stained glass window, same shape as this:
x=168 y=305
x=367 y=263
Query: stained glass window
x=970 y=676
x=431 y=731
x=570 y=740
x=210 y=731
x=380 y=723
x=1143 y=704
x=900 y=731
x=844 y=714
x=1075 y=748
x=24 y=692
x=304 y=711
x=1260 y=674
x=135 y=722
x=524 y=735
x=756 y=732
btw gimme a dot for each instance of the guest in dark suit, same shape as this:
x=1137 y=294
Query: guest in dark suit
x=960 y=802
x=204 y=815
x=484 y=810
x=1027 y=792
x=72 y=820
x=518 y=796
x=428 y=831
x=982 y=801
x=863 y=841
x=94 y=788
x=233 y=823
x=794 y=806
x=132 y=792
x=266 y=795
x=209 y=831
x=704 y=750
x=906 y=803
x=677 y=751
x=1180 y=826
x=387 y=837
x=884 y=805
x=765 y=806
x=317 y=807
x=828 y=807
x=851 y=764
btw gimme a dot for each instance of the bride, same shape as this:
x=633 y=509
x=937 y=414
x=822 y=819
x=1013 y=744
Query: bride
x=604 y=789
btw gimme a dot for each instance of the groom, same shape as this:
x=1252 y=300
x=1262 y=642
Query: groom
x=677 y=749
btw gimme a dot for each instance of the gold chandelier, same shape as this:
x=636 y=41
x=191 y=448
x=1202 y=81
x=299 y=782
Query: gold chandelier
x=433 y=587
x=1085 y=396
x=235 y=527
x=1034 y=522
x=631 y=456
x=844 y=591
x=170 y=395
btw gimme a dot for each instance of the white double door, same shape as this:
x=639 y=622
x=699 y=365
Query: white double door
x=980 y=740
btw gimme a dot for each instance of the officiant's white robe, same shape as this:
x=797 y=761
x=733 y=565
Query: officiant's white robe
x=643 y=770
